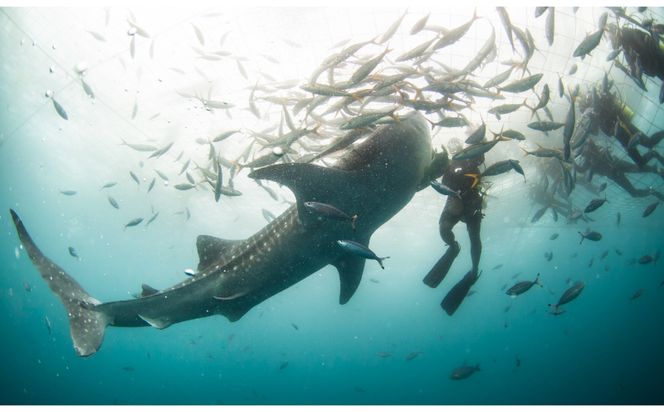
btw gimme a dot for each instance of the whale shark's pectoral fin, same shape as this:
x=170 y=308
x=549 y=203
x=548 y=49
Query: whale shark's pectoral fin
x=309 y=183
x=147 y=290
x=156 y=322
x=210 y=248
x=350 y=274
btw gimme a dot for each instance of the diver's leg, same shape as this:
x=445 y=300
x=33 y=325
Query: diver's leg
x=653 y=140
x=448 y=218
x=473 y=224
x=627 y=167
x=623 y=182
x=653 y=153
x=624 y=134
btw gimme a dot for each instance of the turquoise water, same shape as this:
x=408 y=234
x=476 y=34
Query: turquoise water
x=301 y=346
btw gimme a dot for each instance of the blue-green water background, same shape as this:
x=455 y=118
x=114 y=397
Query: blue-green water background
x=605 y=349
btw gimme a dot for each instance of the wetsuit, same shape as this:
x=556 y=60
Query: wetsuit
x=642 y=52
x=600 y=161
x=615 y=120
x=466 y=208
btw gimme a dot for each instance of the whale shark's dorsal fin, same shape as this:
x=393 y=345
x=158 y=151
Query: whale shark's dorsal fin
x=309 y=183
x=210 y=248
x=350 y=274
x=147 y=290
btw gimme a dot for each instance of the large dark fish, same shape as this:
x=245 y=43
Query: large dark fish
x=651 y=208
x=594 y=205
x=645 y=259
x=538 y=215
x=73 y=253
x=522 y=85
x=545 y=126
x=590 y=235
x=588 y=44
x=637 y=294
x=476 y=150
x=412 y=356
x=523 y=287
x=568 y=296
x=464 y=372
x=134 y=222
x=477 y=136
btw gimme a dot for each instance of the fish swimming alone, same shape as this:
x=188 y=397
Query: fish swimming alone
x=376 y=181
x=569 y=295
x=464 y=372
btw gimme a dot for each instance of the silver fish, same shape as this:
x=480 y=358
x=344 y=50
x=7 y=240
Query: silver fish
x=588 y=44
x=199 y=34
x=392 y=29
x=522 y=85
x=152 y=218
x=550 y=26
x=419 y=25
x=113 y=202
x=134 y=222
x=184 y=186
x=87 y=89
x=58 y=108
x=154 y=179
x=134 y=177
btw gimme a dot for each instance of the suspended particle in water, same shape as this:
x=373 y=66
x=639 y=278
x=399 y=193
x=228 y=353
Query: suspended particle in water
x=50 y=69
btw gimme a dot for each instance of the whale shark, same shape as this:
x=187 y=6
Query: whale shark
x=374 y=181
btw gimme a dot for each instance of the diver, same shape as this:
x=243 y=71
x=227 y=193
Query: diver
x=598 y=160
x=461 y=176
x=641 y=50
x=614 y=118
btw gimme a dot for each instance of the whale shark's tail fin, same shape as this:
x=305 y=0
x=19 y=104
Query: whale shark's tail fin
x=86 y=326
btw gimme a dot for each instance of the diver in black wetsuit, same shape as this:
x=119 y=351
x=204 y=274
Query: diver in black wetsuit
x=641 y=51
x=614 y=118
x=461 y=176
x=598 y=160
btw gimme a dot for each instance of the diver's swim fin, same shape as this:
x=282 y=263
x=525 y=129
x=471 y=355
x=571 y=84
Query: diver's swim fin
x=455 y=296
x=440 y=269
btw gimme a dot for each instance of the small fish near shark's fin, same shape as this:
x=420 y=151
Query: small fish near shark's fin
x=210 y=248
x=309 y=183
x=147 y=290
x=350 y=274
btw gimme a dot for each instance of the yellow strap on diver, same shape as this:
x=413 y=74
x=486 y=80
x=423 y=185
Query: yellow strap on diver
x=475 y=177
x=627 y=112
